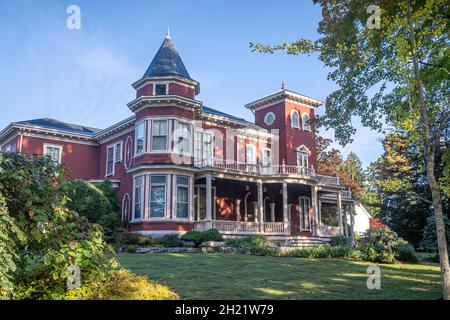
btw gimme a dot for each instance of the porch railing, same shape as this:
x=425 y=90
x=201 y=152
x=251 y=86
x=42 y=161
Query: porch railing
x=265 y=170
x=237 y=227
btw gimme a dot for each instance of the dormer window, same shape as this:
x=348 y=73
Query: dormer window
x=295 y=119
x=160 y=89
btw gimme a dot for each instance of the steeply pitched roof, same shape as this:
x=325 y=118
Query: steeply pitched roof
x=58 y=125
x=167 y=62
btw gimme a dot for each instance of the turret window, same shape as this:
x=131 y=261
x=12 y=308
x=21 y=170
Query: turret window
x=160 y=89
x=140 y=138
x=269 y=118
x=295 y=119
x=159 y=135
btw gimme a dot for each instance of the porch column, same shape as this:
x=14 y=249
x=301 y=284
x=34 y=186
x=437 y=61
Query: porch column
x=272 y=212
x=314 y=207
x=285 y=203
x=352 y=225
x=208 y=218
x=238 y=209
x=320 y=212
x=255 y=210
x=345 y=224
x=339 y=208
x=260 y=203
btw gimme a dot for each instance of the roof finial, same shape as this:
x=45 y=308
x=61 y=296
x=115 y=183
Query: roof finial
x=168 y=32
x=282 y=84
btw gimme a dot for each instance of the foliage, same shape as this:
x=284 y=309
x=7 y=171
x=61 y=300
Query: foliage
x=429 y=243
x=381 y=245
x=98 y=204
x=332 y=163
x=173 y=240
x=123 y=285
x=265 y=251
x=407 y=253
x=198 y=237
x=254 y=241
x=52 y=237
x=8 y=255
x=399 y=180
x=339 y=251
x=131 y=248
x=339 y=241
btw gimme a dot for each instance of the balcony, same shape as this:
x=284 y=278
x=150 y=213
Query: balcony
x=265 y=170
x=244 y=228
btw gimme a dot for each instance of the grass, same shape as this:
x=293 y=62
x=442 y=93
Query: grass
x=236 y=276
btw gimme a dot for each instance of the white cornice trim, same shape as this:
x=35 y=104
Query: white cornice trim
x=168 y=100
x=283 y=95
x=118 y=127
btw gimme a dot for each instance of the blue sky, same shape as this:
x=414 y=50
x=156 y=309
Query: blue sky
x=84 y=76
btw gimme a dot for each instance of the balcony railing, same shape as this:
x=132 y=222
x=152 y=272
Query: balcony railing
x=265 y=170
x=238 y=227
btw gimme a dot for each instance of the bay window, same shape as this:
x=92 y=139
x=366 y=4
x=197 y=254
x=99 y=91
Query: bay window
x=159 y=135
x=184 y=138
x=157 y=196
x=138 y=197
x=140 y=138
x=182 y=200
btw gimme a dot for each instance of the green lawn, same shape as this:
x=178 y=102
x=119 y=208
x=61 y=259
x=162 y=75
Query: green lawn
x=237 y=276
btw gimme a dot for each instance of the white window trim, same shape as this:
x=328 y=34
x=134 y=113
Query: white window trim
x=175 y=200
x=135 y=138
x=113 y=147
x=297 y=125
x=167 y=188
x=160 y=83
x=300 y=213
x=267 y=115
x=124 y=202
x=121 y=151
x=303 y=122
x=60 y=147
x=167 y=135
x=142 y=198
x=254 y=154
x=203 y=132
x=307 y=158
x=177 y=136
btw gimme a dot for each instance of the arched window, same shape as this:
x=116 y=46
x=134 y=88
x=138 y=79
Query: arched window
x=295 y=119
x=305 y=120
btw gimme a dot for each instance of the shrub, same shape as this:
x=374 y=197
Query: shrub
x=198 y=237
x=53 y=237
x=429 y=241
x=91 y=202
x=407 y=253
x=131 y=248
x=343 y=251
x=339 y=241
x=169 y=240
x=122 y=285
x=256 y=241
x=381 y=245
x=265 y=251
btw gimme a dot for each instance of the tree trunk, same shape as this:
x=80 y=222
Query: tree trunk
x=430 y=162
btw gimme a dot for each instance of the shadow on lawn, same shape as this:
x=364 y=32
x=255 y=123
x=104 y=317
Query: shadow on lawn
x=236 y=276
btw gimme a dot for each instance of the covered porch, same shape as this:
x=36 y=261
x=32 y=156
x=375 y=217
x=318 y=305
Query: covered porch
x=252 y=206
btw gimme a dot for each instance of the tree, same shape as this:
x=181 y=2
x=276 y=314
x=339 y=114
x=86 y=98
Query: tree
x=405 y=63
x=331 y=163
x=398 y=177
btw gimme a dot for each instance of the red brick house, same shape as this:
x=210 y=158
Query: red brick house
x=179 y=165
